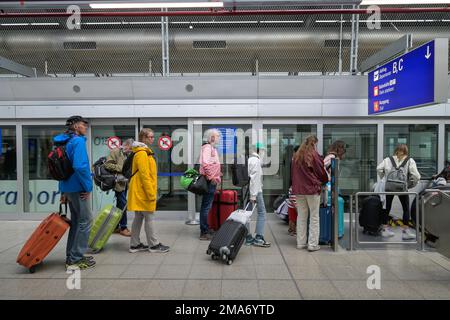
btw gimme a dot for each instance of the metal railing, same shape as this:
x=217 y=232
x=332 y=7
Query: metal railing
x=358 y=242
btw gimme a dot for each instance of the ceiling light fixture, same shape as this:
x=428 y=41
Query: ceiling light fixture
x=402 y=2
x=156 y=5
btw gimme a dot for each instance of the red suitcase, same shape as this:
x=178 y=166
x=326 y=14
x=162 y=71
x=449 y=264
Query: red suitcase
x=225 y=202
x=43 y=240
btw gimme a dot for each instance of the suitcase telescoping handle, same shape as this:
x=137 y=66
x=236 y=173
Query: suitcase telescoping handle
x=248 y=204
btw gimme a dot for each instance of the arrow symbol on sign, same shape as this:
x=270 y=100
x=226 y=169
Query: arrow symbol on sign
x=428 y=55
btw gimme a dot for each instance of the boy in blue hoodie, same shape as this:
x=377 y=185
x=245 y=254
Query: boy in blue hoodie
x=76 y=190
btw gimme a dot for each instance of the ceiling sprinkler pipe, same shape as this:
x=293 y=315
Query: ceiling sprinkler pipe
x=221 y=12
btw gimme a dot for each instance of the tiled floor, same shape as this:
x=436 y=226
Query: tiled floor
x=186 y=272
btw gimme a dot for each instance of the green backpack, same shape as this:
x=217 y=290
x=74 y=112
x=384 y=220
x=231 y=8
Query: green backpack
x=187 y=178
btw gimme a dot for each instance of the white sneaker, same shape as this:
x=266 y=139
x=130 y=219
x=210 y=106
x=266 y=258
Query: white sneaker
x=408 y=234
x=302 y=246
x=387 y=233
x=313 y=248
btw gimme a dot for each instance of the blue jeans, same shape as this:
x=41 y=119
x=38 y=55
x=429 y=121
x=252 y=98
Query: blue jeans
x=81 y=221
x=121 y=202
x=261 y=219
x=207 y=202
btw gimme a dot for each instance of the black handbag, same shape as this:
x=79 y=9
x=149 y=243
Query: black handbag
x=199 y=185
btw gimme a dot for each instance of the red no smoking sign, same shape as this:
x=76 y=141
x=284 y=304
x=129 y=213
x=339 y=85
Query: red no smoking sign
x=165 y=143
x=113 y=142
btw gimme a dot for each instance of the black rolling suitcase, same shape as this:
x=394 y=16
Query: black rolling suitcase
x=227 y=241
x=371 y=215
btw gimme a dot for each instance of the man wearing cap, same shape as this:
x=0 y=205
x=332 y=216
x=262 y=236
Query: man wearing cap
x=76 y=190
x=256 y=196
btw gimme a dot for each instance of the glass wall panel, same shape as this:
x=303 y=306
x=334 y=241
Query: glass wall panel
x=422 y=141
x=8 y=169
x=42 y=190
x=171 y=165
x=447 y=144
x=358 y=168
x=235 y=139
x=281 y=140
x=99 y=144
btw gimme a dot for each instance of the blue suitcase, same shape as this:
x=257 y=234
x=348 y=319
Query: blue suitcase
x=325 y=225
x=326 y=222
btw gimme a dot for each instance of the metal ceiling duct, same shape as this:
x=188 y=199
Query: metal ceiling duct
x=192 y=51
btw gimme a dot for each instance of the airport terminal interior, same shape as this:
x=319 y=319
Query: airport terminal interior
x=373 y=74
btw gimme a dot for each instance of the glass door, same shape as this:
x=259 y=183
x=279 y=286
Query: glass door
x=103 y=133
x=236 y=139
x=171 y=152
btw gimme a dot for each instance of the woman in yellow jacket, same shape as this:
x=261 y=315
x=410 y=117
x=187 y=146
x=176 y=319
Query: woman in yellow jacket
x=142 y=194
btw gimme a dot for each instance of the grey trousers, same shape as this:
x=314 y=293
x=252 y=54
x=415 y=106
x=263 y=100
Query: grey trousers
x=139 y=217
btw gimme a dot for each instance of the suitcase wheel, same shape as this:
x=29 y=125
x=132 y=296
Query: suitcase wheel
x=32 y=269
x=208 y=252
x=229 y=262
x=214 y=257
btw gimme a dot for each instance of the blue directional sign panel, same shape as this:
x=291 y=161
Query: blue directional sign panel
x=405 y=82
x=227 y=143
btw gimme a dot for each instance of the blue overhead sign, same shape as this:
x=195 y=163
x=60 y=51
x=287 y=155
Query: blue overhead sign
x=417 y=78
x=227 y=144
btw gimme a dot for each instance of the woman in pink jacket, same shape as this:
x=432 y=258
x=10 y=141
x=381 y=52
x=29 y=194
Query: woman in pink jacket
x=210 y=168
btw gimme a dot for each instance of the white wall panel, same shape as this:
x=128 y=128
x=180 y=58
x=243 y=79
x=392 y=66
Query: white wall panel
x=7 y=112
x=88 y=111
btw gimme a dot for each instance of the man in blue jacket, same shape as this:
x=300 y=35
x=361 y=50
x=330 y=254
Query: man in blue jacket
x=76 y=190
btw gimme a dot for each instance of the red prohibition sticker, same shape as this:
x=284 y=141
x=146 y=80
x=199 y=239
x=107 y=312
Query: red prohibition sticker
x=113 y=143
x=165 y=143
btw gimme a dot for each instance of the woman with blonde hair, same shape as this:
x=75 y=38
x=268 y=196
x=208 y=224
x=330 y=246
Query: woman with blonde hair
x=308 y=177
x=400 y=159
x=142 y=194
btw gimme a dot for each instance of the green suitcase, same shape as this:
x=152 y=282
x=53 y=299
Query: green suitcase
x=104 y=225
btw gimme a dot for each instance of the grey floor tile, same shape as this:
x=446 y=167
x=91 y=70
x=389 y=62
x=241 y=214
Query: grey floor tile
x=245 y=259
x=118 y=258
x=410 y=272
x=431 y=289
x=173 y=272
x=147 y=258
x=239 y=272
x=330 y=259
x=51 y=288
x=202 y=259
x=272 y=272
x=356 y=289
x=182 y=259
x=127 y=289
x=212 y=271
x=20 y=287
x=301 y=260
x=398 y=290
x=318 y=290
x=436 y=272
x=307 y=273
x=360 y=259
x=211 y=289
x=140 y=272
x=90 y=288
x=240 y=289
x=164 y=289
x=278 y=289
x=105 y=271
x=343 y=272
x=272 y=259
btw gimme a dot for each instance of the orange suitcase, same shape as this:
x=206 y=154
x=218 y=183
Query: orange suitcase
x=43 y=240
